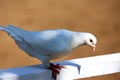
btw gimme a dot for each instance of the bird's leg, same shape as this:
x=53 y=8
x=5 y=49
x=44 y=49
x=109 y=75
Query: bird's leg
x=55 y=70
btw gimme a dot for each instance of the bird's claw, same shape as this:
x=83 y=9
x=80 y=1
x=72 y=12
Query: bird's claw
x=55 y=70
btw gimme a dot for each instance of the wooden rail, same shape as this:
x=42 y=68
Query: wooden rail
x=75 y=69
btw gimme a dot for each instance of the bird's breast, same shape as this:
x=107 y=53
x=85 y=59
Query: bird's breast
x=60 y=54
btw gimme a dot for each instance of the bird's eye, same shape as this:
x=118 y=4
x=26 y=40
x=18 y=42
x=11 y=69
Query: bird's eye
x=91 y=40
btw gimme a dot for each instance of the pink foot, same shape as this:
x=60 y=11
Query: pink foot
x=55 y=70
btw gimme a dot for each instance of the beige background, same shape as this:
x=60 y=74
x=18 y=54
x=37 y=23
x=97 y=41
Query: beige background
x=100 y=17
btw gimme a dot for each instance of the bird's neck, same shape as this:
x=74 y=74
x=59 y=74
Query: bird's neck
x=78 y=40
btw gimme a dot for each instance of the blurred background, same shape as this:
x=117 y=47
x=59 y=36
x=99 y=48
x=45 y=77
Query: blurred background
x=100 y=17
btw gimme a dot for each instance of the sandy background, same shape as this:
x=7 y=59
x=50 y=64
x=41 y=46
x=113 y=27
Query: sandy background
x=100 y=17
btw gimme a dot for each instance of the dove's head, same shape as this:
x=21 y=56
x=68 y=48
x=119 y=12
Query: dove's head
x=90 y=40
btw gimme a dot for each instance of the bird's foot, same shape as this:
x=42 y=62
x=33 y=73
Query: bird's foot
x=55 y=70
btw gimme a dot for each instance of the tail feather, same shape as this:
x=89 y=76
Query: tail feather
x=4 y=29
x=13 y=31
x=18 y=34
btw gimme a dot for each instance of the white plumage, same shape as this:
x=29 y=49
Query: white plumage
x=49 y=44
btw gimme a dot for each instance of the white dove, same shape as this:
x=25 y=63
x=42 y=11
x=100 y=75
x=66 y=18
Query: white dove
x=49 y=44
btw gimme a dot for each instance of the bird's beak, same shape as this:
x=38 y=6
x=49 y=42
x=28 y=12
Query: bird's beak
x=93 y=48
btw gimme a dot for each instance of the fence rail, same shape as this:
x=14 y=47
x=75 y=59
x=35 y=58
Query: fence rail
x=75 y=69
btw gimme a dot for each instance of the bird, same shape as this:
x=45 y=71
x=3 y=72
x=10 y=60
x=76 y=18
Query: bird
x=47 y=45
